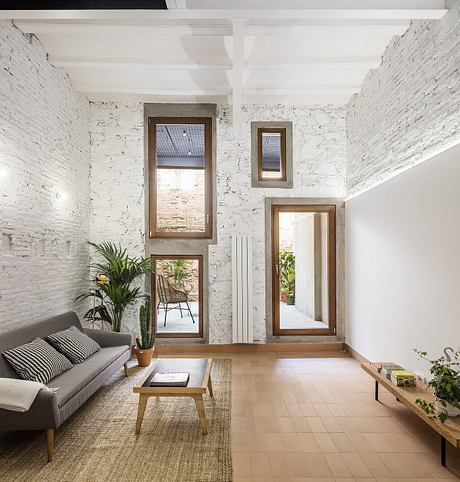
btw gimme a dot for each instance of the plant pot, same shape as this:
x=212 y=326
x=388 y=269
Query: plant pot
x=290 y=301
x=144 y=356
x=450 y=409
x=283 y=297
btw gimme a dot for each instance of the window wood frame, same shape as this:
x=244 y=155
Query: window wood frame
x=153 y=284
x=153 y=205
x=271 y=130
x=331 y=273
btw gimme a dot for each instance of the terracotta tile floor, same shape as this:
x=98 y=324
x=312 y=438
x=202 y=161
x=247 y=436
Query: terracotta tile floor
x=297 y=419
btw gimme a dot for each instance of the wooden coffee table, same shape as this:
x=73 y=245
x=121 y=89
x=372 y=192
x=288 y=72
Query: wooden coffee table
x=200 y=380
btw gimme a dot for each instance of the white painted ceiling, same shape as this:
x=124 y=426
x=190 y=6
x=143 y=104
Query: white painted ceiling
x=245 y=51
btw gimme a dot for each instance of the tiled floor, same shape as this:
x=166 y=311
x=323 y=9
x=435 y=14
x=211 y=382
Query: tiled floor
x=177 y=324
x=315 y=419
x=292 y=318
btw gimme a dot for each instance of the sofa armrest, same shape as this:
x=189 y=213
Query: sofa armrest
x=42 y=415
x=108 y=338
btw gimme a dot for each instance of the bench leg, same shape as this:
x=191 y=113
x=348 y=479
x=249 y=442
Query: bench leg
x=50 y=443
x=443 y=451
x=125 y=366
x=376 y=391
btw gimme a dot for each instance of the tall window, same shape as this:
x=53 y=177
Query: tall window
x=180 y=177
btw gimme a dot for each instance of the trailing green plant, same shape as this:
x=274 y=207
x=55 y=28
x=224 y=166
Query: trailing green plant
x=148 y=332
x=287 y=273
x=445 y=383
x=179 y=271
x=113 y=282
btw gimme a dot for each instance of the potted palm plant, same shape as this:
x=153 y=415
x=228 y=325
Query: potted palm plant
x=113 y=283
x=445 y=382
x=146 y=343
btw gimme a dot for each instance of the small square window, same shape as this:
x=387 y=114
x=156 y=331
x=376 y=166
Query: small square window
x=271 y=154
x=271 y=158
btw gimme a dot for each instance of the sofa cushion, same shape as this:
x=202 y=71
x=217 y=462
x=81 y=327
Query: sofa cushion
x=37 y=361
x=71 y=382
x=74 y=344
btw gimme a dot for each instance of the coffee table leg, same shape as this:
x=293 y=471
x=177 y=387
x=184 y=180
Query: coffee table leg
x=200 y=409
x=140 y=411
x=211 y=393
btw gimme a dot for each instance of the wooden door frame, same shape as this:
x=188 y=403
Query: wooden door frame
x=153 y=284
x=208 y=173
x=332 y=267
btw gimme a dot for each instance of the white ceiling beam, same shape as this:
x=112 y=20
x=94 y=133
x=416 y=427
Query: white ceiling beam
x=324 y=63
x=303 y=90
x=230 y=14
x=354 y=63
x=88 y=62
x=61 y=28
x=262 y=91
x=237 y=72
x=126 y=89
x=316 y=4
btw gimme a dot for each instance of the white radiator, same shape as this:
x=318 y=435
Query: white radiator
x=242 y=318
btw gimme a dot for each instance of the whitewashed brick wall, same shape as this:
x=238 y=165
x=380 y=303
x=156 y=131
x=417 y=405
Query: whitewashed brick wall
x=44 y=189
x=117 y=179
x=409 y=106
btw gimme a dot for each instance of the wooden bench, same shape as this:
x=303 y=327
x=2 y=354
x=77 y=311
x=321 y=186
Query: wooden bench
x=449 y=431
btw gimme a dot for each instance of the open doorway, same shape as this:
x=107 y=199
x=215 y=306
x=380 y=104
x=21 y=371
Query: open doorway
x=303 y=265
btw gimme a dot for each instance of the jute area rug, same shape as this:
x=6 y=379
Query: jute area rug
x=98 y=442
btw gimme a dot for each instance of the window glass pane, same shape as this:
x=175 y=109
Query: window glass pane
x=271 y=155
x=180 y=175
x=177 y=295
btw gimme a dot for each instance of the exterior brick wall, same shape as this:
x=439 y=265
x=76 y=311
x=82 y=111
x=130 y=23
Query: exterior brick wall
x=408 y=107
x=44 y=192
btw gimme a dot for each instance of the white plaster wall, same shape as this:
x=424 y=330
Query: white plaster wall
x=403 y=261
x=304 y=230
x=408 y=107
x=44 y=152
x=117 y=213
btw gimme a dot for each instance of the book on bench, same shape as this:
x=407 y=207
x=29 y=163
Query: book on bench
x=170 y=379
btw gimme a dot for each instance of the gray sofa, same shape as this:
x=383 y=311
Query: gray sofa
x=51 y=409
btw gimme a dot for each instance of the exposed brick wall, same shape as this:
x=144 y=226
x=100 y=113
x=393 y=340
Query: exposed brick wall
x=44 y=189
x=409 y=106
x=117 y=183
x=181 y=200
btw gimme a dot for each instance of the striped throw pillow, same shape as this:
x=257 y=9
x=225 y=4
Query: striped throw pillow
x=74 y=344
x=37 y=361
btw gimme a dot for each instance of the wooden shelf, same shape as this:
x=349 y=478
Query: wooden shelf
x=449 y=430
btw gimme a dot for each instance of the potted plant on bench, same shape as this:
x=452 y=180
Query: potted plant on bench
x=145 y=345
x=446 y=386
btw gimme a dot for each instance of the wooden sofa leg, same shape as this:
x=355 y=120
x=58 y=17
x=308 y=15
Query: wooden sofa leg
x=126 y=368
x=50 y=443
